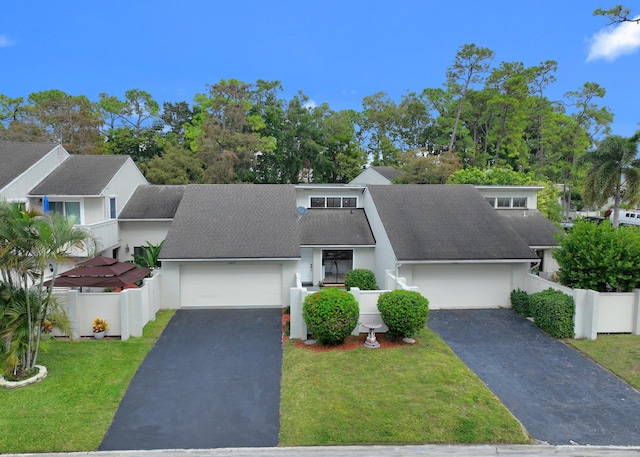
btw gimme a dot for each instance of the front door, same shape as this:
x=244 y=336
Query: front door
x=335 y=263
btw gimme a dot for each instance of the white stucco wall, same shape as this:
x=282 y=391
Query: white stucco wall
x=124 y=184
x=383 y=257
x=303 y=194
x=137 y=233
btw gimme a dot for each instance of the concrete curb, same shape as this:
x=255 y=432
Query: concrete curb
x=378 y=451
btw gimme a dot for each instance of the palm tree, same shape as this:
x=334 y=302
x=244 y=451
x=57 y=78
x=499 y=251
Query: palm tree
x=614 y=173
x=29 y=242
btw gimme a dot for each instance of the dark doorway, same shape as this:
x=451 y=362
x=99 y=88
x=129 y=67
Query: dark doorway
x=335 y=264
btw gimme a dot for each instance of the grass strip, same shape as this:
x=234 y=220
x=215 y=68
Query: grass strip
x=619 y=354
x=407 y=395
x=72 y=408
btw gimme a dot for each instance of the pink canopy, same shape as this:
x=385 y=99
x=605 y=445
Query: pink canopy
x=101 y=272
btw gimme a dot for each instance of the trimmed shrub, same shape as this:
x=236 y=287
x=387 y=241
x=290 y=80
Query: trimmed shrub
x=520 y=302
x=405 y=312
x=599 y=257
x=330 y=315
x=553 y=312
x=360 y=278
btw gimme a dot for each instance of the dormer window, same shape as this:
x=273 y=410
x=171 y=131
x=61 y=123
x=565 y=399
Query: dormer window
x=333 y=202
x=507 y=202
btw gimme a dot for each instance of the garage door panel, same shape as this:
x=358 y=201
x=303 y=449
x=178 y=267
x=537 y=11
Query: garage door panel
x=464 y=286
x=231 y=285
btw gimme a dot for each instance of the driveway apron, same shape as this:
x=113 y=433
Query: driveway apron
x=558 y=395
x=212 y=380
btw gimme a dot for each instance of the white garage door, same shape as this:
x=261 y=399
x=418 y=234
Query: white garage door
x=237 y=285
x=464 y=285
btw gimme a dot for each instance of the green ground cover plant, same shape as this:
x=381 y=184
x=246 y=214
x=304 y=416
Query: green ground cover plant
x=412 y=394
x=72 y=408
x=619 y=354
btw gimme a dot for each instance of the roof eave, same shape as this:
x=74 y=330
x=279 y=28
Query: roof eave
x=413 y=262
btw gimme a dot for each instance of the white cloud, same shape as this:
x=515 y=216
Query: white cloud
x=613 y=42
x=5 y=41
x=310 y=104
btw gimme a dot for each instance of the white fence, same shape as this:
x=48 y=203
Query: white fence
x=126 y=312
x=367 y=301
x=596 y=312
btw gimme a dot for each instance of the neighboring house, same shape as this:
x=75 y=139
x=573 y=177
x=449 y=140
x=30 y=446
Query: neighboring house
x=146 y=217
x=23 y=165
x=376 y=175
x=94 y=189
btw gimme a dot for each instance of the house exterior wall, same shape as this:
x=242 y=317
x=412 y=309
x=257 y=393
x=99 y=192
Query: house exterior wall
x=138 y=233
x=123 y=185
x=363 y=257
x=94 y=210
x=465 y=285
x=529 y=192
x=383 y=257
x=20 y=187
x=304 y=194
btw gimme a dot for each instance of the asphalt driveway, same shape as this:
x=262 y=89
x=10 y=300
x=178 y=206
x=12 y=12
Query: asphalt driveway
x=212 y=380
x=558 y=395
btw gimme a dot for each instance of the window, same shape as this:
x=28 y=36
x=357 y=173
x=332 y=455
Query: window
x=334 y=202
x=112 y=207
x=349 y=202
x=66 y=209
x=507 y=202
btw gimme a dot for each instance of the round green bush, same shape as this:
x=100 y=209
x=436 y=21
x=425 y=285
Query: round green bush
x=330 y=315
x=405 y=312
x=360 y=278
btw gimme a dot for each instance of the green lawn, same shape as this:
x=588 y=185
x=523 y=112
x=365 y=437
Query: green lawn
x=73 y=407
x=618 y=353
x=412 y=394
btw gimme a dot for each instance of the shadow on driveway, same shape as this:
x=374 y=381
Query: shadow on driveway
x=212 y=380
x=556 y=393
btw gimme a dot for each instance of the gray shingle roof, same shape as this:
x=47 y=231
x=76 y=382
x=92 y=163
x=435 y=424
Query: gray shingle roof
x=234 y=221
x=335 y=227
x=16 y=158
x=445 y=222
x=535 y=229
x=388 y=172
x=153 y=202
x=80 y=175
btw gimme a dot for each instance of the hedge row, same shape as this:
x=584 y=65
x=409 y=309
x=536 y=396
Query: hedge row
x=552 y=311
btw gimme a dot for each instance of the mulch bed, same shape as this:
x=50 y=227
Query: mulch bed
x=353 y=342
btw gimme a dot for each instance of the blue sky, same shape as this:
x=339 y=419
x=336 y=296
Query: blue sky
x=336 y=52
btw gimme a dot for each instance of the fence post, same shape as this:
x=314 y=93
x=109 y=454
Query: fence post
x=125 y=320
x=635 y=330
x=297 y=327
x=586 y=318
x=72 y=312
x=355 y=291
